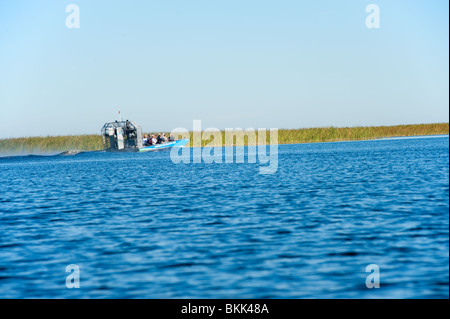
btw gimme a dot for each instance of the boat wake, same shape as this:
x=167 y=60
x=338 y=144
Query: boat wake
x=22 y=155
x=70 y=153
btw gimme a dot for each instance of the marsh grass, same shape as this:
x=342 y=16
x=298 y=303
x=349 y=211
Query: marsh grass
x=335 y=134
x=49 y=144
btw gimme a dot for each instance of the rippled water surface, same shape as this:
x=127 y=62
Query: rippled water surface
x=140 y=226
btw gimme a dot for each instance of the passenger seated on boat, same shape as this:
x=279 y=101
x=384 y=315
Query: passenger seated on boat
x=154 y=140
x=150 y=140
x=145 y=140
x=164 y=138
x=171 y=138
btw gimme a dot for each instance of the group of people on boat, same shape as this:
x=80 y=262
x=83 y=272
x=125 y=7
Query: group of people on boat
x=157 y=139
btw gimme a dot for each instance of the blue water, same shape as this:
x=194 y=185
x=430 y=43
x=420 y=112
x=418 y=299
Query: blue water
x=139 y=226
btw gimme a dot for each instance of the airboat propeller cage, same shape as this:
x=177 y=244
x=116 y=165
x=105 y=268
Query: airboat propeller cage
x=120 y=135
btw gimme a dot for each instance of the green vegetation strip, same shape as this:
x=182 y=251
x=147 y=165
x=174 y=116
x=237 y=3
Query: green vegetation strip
x=285 y=136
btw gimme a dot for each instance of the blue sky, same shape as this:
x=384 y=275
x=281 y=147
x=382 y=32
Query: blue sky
x=261 y=64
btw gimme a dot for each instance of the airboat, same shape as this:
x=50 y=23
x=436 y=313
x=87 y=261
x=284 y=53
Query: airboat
x=126 y=136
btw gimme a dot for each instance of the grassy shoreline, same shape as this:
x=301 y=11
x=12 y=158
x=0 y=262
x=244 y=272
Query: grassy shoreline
x=285 y=136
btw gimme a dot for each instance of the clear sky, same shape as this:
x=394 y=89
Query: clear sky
x=233 y=63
